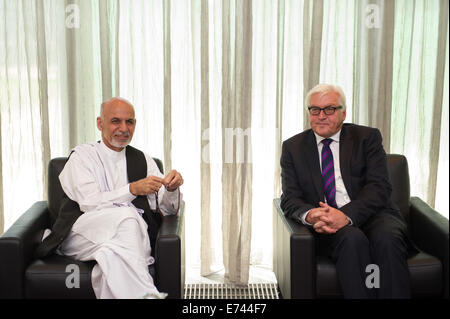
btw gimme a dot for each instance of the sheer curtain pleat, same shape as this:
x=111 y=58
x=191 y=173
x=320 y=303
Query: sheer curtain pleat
x=206 y=245
x=415 y=76
x=211 y=256
x=84 y=74
x=236 y=138
x=58 y=81
x=338 y=47
x=140 y=77
x=372 y=65
x=442 y=182
x=186 y=84
x=22 y=156
x=263 y=126
x=439 y=124
x=108 y=24
x=313 y=17
x=292 y=67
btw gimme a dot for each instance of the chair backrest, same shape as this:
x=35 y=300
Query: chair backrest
x=55 y=191
x=399 y=178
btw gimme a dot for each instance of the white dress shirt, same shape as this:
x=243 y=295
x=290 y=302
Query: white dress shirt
x=96 y=178
x=342 y=197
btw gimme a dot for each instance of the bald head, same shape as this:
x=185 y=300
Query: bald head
x=114 y=101
x=117 y=123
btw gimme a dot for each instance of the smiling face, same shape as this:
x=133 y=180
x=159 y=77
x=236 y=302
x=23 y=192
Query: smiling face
x=117 y=123
x=326 y=125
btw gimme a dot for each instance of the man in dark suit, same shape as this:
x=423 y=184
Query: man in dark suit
x=335 y=181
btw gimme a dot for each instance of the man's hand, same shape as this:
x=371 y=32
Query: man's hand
x=315 y=217
x=327 y=219
x=145 y=186
x=173 y=180
x=315 y=214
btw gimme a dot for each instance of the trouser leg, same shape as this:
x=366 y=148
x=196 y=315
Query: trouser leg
x=122 y=268
x=349 y=249
x=387 y=237
x=122 y=261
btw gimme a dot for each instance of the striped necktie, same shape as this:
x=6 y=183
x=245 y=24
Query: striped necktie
x=329 y=185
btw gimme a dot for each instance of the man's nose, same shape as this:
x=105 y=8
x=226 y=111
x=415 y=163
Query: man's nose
x=322 y=114
x=123 y=127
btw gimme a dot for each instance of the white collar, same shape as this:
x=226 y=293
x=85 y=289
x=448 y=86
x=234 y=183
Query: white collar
x=112 y=154
x=334 y=137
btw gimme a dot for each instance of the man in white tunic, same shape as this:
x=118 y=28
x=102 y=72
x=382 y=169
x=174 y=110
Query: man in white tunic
x=111 y=230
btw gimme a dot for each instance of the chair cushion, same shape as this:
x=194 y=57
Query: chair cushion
x=46 y=278
x=425 y=271
x=426 y=275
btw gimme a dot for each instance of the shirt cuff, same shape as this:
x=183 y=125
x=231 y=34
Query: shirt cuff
x=302 y=218
x=128 y=196
x=350 y=221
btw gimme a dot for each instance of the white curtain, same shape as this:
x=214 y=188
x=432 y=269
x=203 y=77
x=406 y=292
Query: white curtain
x=218 y=80
x=420 y=97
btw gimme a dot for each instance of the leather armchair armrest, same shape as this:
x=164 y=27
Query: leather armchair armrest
x=169 y=256
x=429 y=231
x=294 y=259
x=17 y=245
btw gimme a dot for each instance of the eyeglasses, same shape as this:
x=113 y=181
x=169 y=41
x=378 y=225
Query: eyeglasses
x=328 y=110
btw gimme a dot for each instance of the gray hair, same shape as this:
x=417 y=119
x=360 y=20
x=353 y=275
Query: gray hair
x=323 y=89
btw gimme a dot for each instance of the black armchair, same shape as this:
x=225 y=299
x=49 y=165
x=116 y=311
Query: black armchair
x=303 y=274
x=22 y=276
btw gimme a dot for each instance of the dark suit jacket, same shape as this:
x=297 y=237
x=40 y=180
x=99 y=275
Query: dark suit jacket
x=363 y=167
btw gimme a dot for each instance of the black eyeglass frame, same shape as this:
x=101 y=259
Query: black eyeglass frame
x=327 y=110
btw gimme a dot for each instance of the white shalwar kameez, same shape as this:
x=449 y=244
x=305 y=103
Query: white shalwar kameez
x=111 y=230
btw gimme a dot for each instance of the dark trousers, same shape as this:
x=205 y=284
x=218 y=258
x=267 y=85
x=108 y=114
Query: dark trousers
x=381 y=241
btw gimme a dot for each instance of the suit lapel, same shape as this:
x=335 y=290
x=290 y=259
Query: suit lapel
x=345 y=156
x=312 y=155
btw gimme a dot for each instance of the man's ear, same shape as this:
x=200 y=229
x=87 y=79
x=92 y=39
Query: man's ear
x=99 y=123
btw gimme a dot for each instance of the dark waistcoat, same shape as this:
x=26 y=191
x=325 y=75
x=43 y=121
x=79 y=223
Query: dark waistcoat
x=70 y=210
